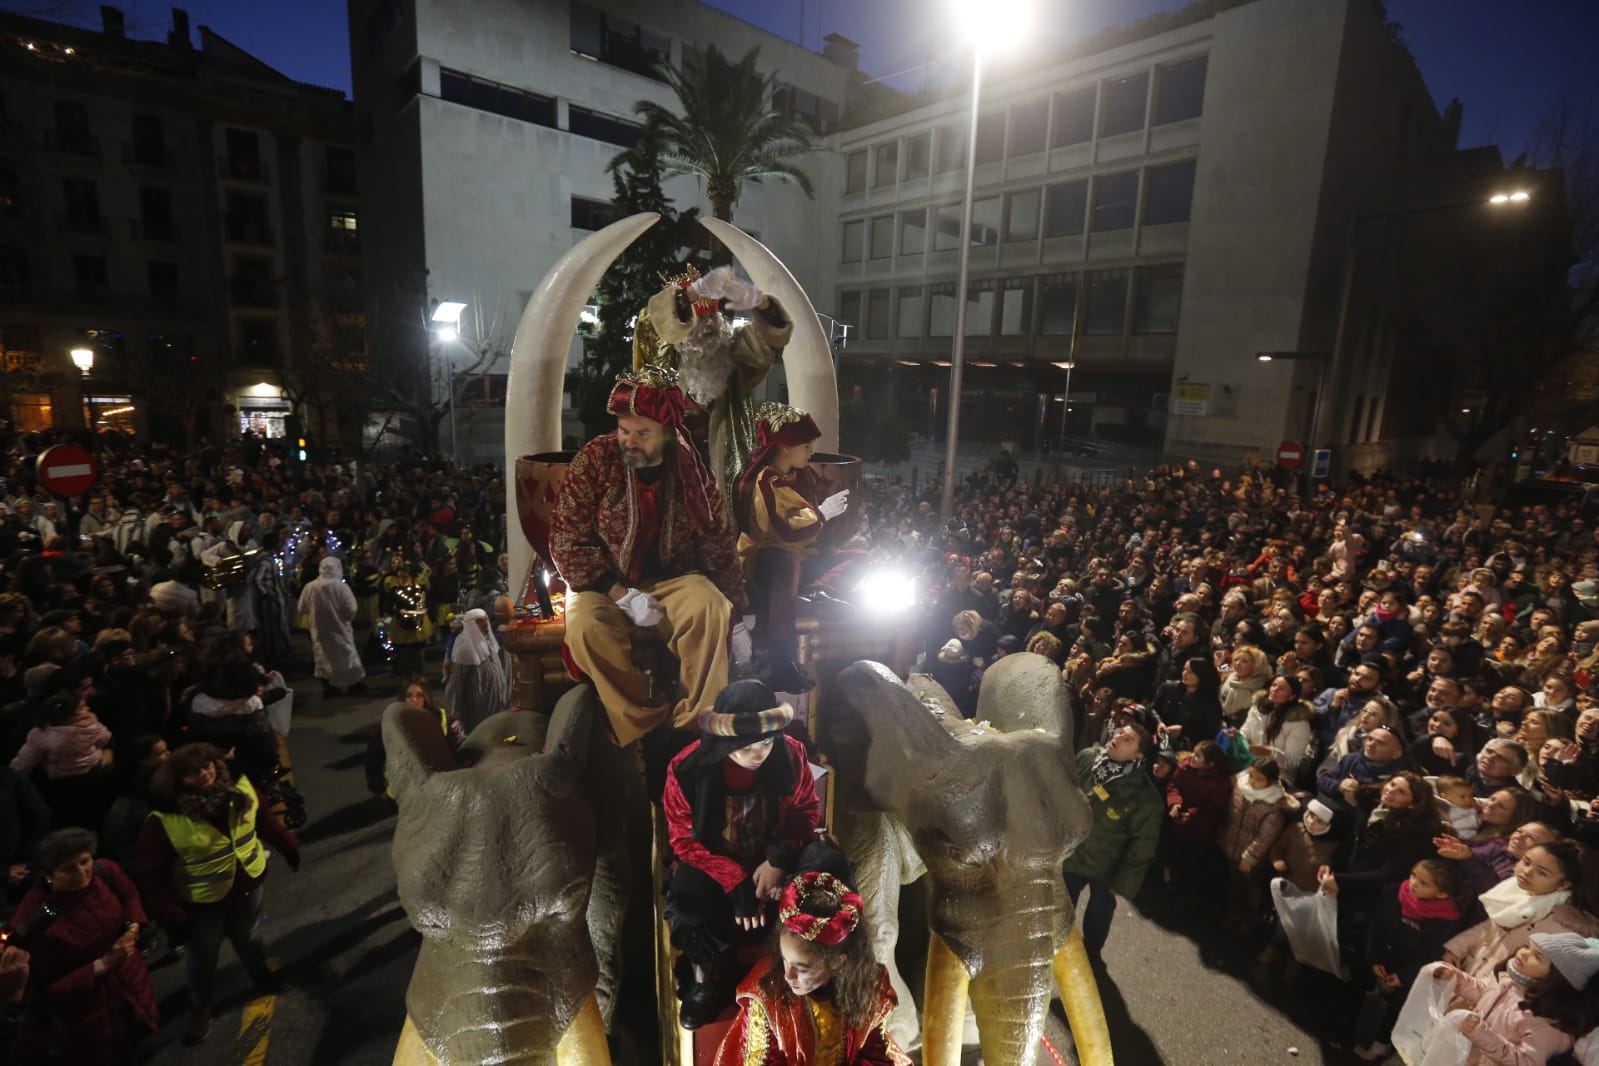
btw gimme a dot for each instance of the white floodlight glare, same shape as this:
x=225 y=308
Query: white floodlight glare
x=991 y=24
x=447 y=334
x=886 y=591
x=449 y=311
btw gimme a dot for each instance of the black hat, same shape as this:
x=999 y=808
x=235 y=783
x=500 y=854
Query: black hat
x=747 y=710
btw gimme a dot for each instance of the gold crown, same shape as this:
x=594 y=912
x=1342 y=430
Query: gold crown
x=778 y=415
x=689 y=276
x=650 y=376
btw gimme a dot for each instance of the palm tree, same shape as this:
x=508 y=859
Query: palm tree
x=728 y=132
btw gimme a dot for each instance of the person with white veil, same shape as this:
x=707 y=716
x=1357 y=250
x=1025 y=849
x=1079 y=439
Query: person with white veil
x=479 y=673
x=330 y=605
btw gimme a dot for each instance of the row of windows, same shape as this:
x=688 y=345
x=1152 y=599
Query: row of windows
x=616 y=41
x=1120 y=105
x=524 y=106
x=1062 y=209
x=1041 y=306
x=90 y=275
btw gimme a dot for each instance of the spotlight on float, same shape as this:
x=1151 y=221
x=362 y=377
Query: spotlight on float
x=886 y=591
x=447 y=320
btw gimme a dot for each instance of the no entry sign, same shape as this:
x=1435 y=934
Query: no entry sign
x=67 y=470
x=1290 y=453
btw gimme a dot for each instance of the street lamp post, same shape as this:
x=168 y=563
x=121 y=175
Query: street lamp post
x=83 y=359
x=447 y=330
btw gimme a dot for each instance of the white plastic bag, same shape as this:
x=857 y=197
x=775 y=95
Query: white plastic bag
x=1427 y=1032
x=280 y=711
x=1310 y=920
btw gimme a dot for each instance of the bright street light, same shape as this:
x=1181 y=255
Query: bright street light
x=449 y=311
x=1520 y=196
x=992 y=23
x=83 y=359
x=446 y=334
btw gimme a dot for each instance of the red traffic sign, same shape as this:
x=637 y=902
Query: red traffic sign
x=1290 y=453
x=67 y=470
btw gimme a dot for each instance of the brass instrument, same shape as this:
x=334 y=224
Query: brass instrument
x=231 y=570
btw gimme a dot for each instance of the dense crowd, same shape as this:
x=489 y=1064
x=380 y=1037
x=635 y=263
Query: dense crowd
x=1384 y=695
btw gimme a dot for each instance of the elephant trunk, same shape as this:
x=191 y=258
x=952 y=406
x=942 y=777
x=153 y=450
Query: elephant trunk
x=1010 y=1002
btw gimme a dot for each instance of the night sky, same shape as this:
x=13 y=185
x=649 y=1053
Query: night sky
x=1509 y=62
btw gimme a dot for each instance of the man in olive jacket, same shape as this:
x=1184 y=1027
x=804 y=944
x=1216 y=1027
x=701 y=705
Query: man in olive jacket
x=1121 y=845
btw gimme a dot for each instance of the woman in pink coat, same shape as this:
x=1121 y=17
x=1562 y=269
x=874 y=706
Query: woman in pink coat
x=1535 y=899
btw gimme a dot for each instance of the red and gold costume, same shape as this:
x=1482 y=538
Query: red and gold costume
x=790 y=1030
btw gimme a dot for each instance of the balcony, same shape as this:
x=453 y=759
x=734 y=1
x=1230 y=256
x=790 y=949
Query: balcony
x=339 y=184
x=248 y=292
x=69 y=142
x=84 y=225
x=249 y=231
x=157 y=156
x=239 y=168
x=342 y=242
x=163 y=231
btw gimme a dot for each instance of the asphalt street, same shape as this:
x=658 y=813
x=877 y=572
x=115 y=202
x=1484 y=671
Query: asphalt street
x=1176 y=990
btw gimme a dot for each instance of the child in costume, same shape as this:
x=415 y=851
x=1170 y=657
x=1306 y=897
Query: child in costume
x=821 y=998
x=781 y=511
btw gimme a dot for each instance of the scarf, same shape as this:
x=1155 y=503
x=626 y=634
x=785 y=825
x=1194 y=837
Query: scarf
x=1421 y=910
x=1508 y=906
x=1270 y=794
x=208 y=805
x=1514 y=973
x=1387 y=616
x=1105 y=769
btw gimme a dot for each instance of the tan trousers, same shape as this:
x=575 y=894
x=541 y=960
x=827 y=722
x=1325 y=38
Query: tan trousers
x=599 y=636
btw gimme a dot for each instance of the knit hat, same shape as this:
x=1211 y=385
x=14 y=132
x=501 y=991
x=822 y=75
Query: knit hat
x=819 y=891
x=747 y=710
x=1574 y=955
x=1320 y=810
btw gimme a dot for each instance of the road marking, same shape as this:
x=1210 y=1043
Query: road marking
x=255 y=1029
x=73 y=470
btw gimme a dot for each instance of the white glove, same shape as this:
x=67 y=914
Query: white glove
x=641 y=607
x=722 y=283
x=740 y=643
x=834 y=505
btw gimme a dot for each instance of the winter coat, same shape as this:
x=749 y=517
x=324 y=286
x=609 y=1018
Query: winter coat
x=1508 y=1035
x=1303 y=853
x=89 y=1019
x=1238 y=695
x=1126 y=828
x=1429 y=764
x=1198 y=714
x=1362 y=769
x=1253 y=826
x=1205 y=795
x=1487 y=944
x=1384 y=851
x=1404 y=945
x=69 y=750
x=1293 y=736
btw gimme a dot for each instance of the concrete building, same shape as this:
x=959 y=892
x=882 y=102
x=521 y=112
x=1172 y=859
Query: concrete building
x=1156 y=207
x=485 y=131
x=188 y=214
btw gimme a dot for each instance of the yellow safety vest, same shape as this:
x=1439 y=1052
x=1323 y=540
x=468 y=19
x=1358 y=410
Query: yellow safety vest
x=208 y=857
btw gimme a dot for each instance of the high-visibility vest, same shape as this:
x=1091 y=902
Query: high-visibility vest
x=208 y=857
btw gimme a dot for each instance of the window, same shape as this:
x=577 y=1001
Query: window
x=243 y=158
x=951 y=149
x=15 y=277
x=247 y=219
x=341 y=170
x=1170 y=193
x=1065 y=204
x=162 y=277
x=592 y=214
x=1074 y=118
x=1016 y=308
x=1124 y=105
x=1115 y=201
x=149 y=142
x=496 y=99
x=885 y=164
x=155 y=214
x=72 y=127
x=1057 y=297
x=909 y=322
x=613 y=40
x=985 y=221
x=82 y=196
x=1179 y=91
x=941 y=310
x=1106 y=309
x=1021 y=215
x=258 y=341
x=1028 y=128
x=89 y=274
x=877 y=314
x=946 y=227
x=918 y=155
x=252 y=284
x=854 y=236
x=586 y=123
x=1160 y=293
x=979 y=309
x=882 y=240
x=912 y=231
x=849 y=308
x=991 y=137
x=819 y=114
x=855 y=172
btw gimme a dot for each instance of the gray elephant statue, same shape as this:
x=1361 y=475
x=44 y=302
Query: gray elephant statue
x=519 y=897
x=991 y=816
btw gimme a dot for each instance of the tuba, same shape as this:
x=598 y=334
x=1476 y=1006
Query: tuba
x=231 y=570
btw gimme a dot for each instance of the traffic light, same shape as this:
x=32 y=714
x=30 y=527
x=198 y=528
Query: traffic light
x=294 y=429
x=300 y=445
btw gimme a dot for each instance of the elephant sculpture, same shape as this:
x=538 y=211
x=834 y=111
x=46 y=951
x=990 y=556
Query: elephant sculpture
x=991 y=816
x=518 y=895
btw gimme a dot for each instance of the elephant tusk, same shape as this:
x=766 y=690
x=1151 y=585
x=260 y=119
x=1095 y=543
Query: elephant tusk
x=944 y=1010
x=583 y=1043
x=1079 y=991
x=412 y=1051
x=537 y=378
x=808 y=359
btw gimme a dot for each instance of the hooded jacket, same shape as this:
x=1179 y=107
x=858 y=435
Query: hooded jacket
x=1126 y=828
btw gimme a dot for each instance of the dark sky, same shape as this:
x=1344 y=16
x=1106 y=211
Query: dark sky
x=1509 y=61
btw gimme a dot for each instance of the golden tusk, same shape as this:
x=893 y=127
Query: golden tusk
x=1079 y=991
x=411 y=1050
x=944 y=1012
x=583 y=1043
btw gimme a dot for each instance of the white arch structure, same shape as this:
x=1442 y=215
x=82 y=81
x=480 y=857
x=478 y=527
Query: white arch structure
x=537 y=379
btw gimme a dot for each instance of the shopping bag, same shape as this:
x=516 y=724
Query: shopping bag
x=1310 y=921
x=1427 y=1032
x=280 y=711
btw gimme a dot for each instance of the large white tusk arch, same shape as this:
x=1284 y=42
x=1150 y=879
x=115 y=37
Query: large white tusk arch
x=807 y=361
x=537 y=379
